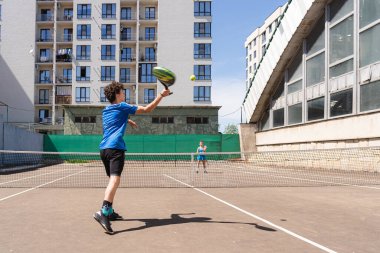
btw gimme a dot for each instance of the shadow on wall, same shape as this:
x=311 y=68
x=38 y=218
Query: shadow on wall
x=21 y=108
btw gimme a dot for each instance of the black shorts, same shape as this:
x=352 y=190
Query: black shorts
x=113 y=160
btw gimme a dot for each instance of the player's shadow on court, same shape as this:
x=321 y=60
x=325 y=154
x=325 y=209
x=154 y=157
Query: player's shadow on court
x=177 y=219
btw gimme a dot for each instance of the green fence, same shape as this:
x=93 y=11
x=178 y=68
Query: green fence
x=145 y=143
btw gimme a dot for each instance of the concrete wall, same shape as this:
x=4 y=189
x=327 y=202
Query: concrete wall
x=14 y=138
x=144 y=121
x=247 y=135
x=16 y=63
x=359 y=131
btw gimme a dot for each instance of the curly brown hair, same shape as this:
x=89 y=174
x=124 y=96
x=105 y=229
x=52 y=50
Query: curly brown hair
x=112 y=89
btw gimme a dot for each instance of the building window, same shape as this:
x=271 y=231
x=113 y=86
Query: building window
x=108 y=31
x=149 y=95
x=254 y=66
x=46 y=15
x=369 y=46
x=197 y=120
x=150 y=13
x=278 y=117
x=45 y=76
x=108 y=52
x=67 y=76
x=126 y=13
x=202 y=8
x=0 y=11
x=102 y=95
x=83 y=32
x=43 y=114
x=83 y=73
x=108 y=73
x=202 y=51
x=263 y=49
x=270 y=28
x=145 y=73
x=45 y=55
x=316 y=40
x=342 y=45
x=67 y=34
x=83 y=52
x=43 y=96
x=315 y=70
x=68 y=14
x=369 y=96
x=202 y=93
x=150 y=54
x=202 y=72
x=341 y=103
x=162 y=120
x=126 y=33
x=127 y=93
x=369 y=12
x=254 y=54
x=85 y=119
x=82 y=94
x=264 y=123
x=84 y=11
x=126 y=54
x=202 y=29
x=294 y=87
x=108 y=10
x=150 y=33
x=125 y=75
x=45 y=35
x=263 y=37
x=316 y=109
x=254 y=42
x=295 y=114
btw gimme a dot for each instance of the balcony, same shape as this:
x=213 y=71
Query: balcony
x=128 y=79
x=44 y=81
x=64 y=80
x=147 y=58
x=63 y=100
x=128 y=16
x=45 y=18
x=127 y=37
x=46 y=39
x=64 y=55
x=127 y=58
x=65 y=18
x=44 y=59
x=68 y=38
x=148 y=37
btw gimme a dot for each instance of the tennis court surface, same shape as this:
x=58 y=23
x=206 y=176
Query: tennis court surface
x=301 y=201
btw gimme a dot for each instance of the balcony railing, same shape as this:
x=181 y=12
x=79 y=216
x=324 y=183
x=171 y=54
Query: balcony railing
x=45 y=17
x=64 y=58
x=127 y=37
x=145 y=17
x=128 y=16
x=65 y=18
x=148 y=58
x=45 y=80
x=63 y=79
x=65 y=38
x=63 y=100
x=44 y=101
x=127 y=79
x=44 y=59
x=127 y=58
x=45 y=39
x=148 y=37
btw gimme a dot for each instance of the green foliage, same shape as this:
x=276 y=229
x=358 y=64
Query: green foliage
x=231 y=129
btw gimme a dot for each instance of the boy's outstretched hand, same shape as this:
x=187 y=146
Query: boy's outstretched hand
x=132 y=123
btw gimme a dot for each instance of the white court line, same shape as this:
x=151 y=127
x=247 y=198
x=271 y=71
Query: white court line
x=312 y=180
x=39 y=175
x=41 y=185
x=257 y=217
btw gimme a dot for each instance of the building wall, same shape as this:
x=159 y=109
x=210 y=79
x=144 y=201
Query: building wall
x=254 y=43
x=16 y=60
x=328 y=95
x=144 y=121
x=15 y=138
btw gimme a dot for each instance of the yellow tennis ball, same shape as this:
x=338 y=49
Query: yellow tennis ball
x=192 y=77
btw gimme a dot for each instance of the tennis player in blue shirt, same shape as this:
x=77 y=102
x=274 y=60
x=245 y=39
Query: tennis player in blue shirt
x=112 y=146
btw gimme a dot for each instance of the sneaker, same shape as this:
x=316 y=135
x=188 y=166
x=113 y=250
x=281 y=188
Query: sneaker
x=115 y=216
x=103 y=221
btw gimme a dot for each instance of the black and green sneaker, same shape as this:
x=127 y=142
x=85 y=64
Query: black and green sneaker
x=115 y=216
x=103 y=221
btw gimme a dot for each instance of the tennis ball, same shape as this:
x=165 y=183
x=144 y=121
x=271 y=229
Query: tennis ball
x=192 y=77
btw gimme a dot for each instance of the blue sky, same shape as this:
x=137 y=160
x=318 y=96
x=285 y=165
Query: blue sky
x=233 y=21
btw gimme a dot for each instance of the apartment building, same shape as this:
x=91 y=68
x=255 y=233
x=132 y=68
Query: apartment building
x=71 y=49
x=257 y=41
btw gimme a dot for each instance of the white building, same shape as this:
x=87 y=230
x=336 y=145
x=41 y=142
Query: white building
x=318 y=85
x=256 y=43
x=55 y=53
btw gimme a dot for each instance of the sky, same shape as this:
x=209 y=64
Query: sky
x=232 y=22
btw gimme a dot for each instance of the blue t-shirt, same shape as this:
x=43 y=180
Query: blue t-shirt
x=115 y=121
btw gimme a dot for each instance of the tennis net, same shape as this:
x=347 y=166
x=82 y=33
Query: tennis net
x=335 y=167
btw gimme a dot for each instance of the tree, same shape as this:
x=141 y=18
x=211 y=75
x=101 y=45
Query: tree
x=231 y=129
